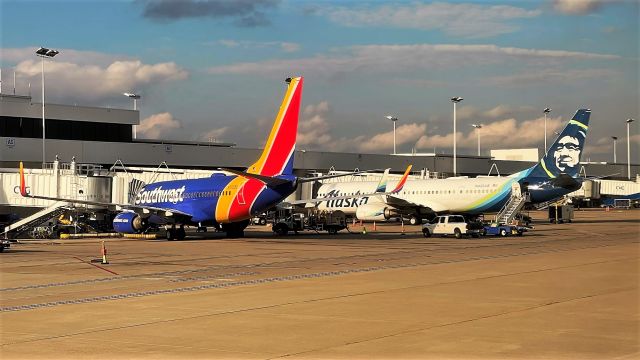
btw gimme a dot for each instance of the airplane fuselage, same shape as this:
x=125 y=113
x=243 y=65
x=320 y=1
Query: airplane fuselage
x=217 y=199
x=455 y=195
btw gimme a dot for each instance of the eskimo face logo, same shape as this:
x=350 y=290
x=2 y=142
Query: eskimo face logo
x=567 y=152
x=160 y=195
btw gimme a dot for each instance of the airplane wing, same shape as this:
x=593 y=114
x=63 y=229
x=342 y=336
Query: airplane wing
x=401 y=204
x=397 y=189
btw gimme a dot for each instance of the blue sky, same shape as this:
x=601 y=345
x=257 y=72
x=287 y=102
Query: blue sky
x=214 y=69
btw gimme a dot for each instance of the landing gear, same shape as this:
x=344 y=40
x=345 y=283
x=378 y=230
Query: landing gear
x=175 y=234
x=415 y=220
x=201 y=228
x=235 y=230
x=181 y=234
x=170 y=233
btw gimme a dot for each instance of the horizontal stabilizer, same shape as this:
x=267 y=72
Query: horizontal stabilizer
x=566 y=182
x=267 y=180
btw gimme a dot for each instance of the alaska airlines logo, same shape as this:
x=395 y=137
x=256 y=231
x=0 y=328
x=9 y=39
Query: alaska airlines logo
x=345 y=203
x=159 y=195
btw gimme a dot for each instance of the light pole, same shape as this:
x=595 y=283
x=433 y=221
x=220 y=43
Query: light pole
x=615 y=142
x=135 y=98
x=394 y=119
x=478 y=126
x=546 y=111
x=44 y=53
x=629 y=121
x=455 y=101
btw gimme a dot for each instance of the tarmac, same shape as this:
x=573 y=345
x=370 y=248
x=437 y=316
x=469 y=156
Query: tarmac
x=561 y=291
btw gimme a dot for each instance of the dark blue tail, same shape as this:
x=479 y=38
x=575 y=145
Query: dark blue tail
x=563 y=157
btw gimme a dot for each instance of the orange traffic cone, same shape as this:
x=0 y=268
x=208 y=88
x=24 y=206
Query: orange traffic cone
x=374 y=225
x=104 y=254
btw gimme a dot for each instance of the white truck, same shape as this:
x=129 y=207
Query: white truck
x=455 y=225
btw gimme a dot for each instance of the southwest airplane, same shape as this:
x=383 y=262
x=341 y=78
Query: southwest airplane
x=554 y=176
x=227 y=201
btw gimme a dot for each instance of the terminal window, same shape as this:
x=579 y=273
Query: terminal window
x=64 y=129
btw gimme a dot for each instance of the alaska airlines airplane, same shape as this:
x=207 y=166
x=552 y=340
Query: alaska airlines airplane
x=227 y=201
x=554 y=176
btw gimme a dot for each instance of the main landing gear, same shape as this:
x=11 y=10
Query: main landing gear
x=235 y=230
x=175 y=234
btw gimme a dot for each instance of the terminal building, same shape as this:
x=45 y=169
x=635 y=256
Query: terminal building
x=98 y=145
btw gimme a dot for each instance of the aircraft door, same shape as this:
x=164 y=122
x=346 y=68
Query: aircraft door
x=515 y=189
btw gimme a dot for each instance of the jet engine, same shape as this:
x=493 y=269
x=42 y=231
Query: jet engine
x=375 y=212
x=128 y=223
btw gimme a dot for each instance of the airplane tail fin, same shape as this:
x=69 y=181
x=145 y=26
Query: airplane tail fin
x=23 y=186
x=277 y=156
x=402 y=181
x=563 y=156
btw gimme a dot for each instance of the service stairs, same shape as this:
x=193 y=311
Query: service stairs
x=511 y=209
x=546 y=204
x=39 y=217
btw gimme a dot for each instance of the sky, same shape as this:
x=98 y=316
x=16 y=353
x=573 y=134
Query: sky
x=213 y=70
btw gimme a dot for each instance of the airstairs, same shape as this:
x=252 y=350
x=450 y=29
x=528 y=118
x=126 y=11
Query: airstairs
x=546 y=204
x=513 y=206
x=41 y=216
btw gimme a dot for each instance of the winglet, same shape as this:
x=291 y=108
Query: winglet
x=23 y=186
x=402 y=181
x=382 y=185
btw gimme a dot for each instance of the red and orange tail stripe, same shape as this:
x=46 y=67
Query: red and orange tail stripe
x=23 y=185
x=282 y=139
x=274 y=158
x=402 y=181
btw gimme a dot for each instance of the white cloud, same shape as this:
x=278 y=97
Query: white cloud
x=465 y=20
x=287 y=47
x=579 y=7
x=157 y=125
x=405 y=134
x=552 y=76
x=498 y=111
x=379 y=59
x=73 y=81
x=17 y=55
x=604 y=146
x=214 y=135
x=508 y=133
x=314 y=129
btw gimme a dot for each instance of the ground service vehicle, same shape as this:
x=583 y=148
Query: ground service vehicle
x=330 y=221
x=4 y=244
x=504 y=230
x=455 y=225
x=560 y=213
